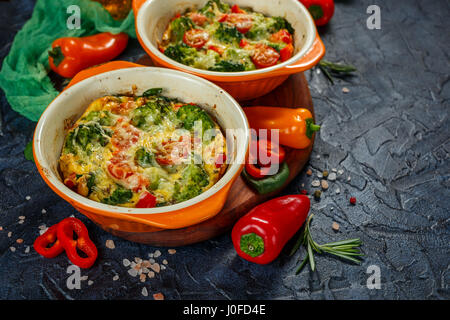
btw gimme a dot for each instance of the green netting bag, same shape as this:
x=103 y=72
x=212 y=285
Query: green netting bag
x=24 y=74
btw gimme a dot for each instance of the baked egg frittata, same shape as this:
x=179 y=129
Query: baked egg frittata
x=227 y=38
x=143 y=151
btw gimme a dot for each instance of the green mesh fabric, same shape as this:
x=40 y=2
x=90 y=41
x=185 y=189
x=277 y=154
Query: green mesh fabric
x=24 y=74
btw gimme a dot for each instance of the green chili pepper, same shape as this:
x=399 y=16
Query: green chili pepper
x=271 y=183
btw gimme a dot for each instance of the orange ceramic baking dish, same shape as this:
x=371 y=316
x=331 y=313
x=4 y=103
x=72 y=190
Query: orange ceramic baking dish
x=153 y=16
x=118 y=78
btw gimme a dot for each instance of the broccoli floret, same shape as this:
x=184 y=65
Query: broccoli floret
x=277 y=46
x=281 y=23
x=143 y=117
x=85 y=136
x=102 y=117
x=181 y=53
x=119 y=196
x=228 y=66
x=190 y=113
x=145 y=159
x=193 y=180
x=208 y=9
x=239 y=57
x=179 y=26
x=227 y=34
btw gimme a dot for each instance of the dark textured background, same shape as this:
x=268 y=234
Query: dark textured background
x=390 y=134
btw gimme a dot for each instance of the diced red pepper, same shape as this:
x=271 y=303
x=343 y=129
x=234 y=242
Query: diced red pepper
x=216 y=49
x=243 y=43
x=223 y=18
x=220 y=160
x=235 y=9
x=146 y=200
x=287 y=52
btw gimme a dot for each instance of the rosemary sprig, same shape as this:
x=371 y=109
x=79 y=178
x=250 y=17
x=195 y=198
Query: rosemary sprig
x=345 y=249
x=329 y=68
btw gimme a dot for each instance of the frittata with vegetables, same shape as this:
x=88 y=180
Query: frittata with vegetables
x=220 y=37
x=143 y=151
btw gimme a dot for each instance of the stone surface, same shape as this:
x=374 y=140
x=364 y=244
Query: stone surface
x=389 y=133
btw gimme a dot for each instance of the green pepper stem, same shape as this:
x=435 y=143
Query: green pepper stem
x=252 y=244
x=314 y=127
x=57 y=55
x=311 y=127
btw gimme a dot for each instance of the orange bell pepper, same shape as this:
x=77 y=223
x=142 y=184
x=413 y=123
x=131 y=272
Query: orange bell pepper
x=296 y=126
x=70 y=55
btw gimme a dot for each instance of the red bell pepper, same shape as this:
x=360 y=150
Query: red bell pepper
x=321 y=10
x=65 y=230
x=260 y=235
x=70 y=55
x=41 y=244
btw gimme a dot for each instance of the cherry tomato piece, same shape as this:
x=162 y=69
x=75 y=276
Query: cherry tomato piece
x=198 y=18
x=281 y=36
x=242 y=22
x=120 y=171
x=196 y=38
x=265 y=56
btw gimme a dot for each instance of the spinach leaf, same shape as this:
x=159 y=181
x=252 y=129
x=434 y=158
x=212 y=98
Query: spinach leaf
x=152 y=92
x=228 y=66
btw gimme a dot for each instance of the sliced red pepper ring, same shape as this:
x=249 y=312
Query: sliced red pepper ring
x=65 y=230
x=41 y=244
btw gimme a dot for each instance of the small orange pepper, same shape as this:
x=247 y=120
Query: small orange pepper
x=296 y=126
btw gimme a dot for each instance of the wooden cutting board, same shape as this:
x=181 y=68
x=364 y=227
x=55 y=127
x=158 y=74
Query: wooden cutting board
x=293 y=93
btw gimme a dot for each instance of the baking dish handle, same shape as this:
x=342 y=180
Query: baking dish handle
x=309 y=60
x=109 y=66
